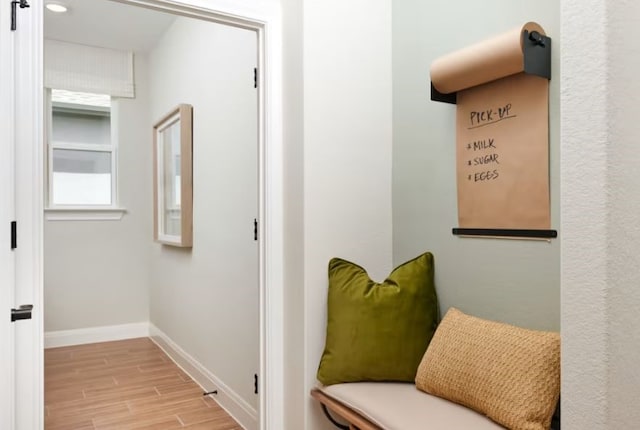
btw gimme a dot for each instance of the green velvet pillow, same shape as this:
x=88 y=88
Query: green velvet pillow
x=378 y=332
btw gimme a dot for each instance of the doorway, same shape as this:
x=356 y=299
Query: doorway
x=201 y=303
x=26 y=78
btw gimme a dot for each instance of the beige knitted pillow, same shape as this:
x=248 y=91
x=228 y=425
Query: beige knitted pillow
x=510 y=374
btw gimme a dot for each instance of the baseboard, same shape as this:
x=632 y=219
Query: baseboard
x=53 y=339
x=230 y=401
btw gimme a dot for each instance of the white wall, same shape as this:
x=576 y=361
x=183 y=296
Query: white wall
x=510 y=280
x=97 y=272
x=600 y=215
x=585 y=278
x=294 y=261
x=206 y=298
x=624 y=216
x=347 y=156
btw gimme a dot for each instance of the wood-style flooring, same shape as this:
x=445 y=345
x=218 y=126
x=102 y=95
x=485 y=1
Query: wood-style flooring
x=124 y=385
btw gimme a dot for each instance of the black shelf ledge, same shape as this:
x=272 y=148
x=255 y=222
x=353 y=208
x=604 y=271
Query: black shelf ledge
x=541 y=234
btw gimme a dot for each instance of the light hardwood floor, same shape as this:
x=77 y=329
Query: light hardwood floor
x=123 y=385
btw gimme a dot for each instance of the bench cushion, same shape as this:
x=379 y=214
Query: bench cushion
x=400 y=406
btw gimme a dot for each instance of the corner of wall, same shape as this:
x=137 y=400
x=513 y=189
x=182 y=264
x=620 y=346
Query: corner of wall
x=584 y=220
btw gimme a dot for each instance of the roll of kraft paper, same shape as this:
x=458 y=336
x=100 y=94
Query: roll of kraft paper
x=483 y=62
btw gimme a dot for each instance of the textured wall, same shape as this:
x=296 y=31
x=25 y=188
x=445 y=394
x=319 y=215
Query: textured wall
x=584 y=216
x=509 y=280
x=601 y=203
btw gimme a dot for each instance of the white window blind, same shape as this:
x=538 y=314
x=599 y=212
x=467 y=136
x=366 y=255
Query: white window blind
x=74 y=67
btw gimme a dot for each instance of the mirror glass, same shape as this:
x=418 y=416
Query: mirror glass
x=170 y=141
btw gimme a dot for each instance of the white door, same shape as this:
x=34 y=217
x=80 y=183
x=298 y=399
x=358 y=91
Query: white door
x=20 y=340
x=7 y=215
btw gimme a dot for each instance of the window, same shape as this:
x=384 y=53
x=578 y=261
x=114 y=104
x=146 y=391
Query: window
x=82 y=152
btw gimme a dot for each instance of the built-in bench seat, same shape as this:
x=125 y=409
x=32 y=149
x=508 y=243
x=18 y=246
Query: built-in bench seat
x=397 y=405
x=505 y=376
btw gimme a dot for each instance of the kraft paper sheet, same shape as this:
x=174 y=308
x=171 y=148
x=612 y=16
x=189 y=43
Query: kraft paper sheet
x=502 y=134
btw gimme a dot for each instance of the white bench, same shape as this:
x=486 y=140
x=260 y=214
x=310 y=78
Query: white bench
x=398 y=406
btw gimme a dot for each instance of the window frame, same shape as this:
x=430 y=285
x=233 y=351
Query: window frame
x=63 y=212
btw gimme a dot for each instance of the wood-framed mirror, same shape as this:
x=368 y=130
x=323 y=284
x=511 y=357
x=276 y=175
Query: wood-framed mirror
x=172 y=178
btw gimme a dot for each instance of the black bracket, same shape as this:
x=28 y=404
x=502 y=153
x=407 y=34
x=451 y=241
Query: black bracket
x=22 y=313
x=333 y=420
x=536 y=50
x=14 y=7
x=537 y=54
x=441 y=97
x=208 y=393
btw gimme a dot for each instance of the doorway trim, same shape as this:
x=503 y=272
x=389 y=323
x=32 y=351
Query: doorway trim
x=261 y=16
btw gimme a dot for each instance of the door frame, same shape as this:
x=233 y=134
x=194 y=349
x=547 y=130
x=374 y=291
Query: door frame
x=264 y=18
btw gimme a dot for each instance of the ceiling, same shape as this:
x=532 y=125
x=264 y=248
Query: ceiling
x=107 y=24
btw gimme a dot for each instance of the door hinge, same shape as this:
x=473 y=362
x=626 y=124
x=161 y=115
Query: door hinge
x=14 y=12
x=255 y=383
x=14 y=234
x=255 y=77
x=255 y=229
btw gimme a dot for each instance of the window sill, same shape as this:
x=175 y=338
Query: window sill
x=84 y=214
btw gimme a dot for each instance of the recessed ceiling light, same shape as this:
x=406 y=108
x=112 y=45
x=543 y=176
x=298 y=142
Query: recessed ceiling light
x=56 y=7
